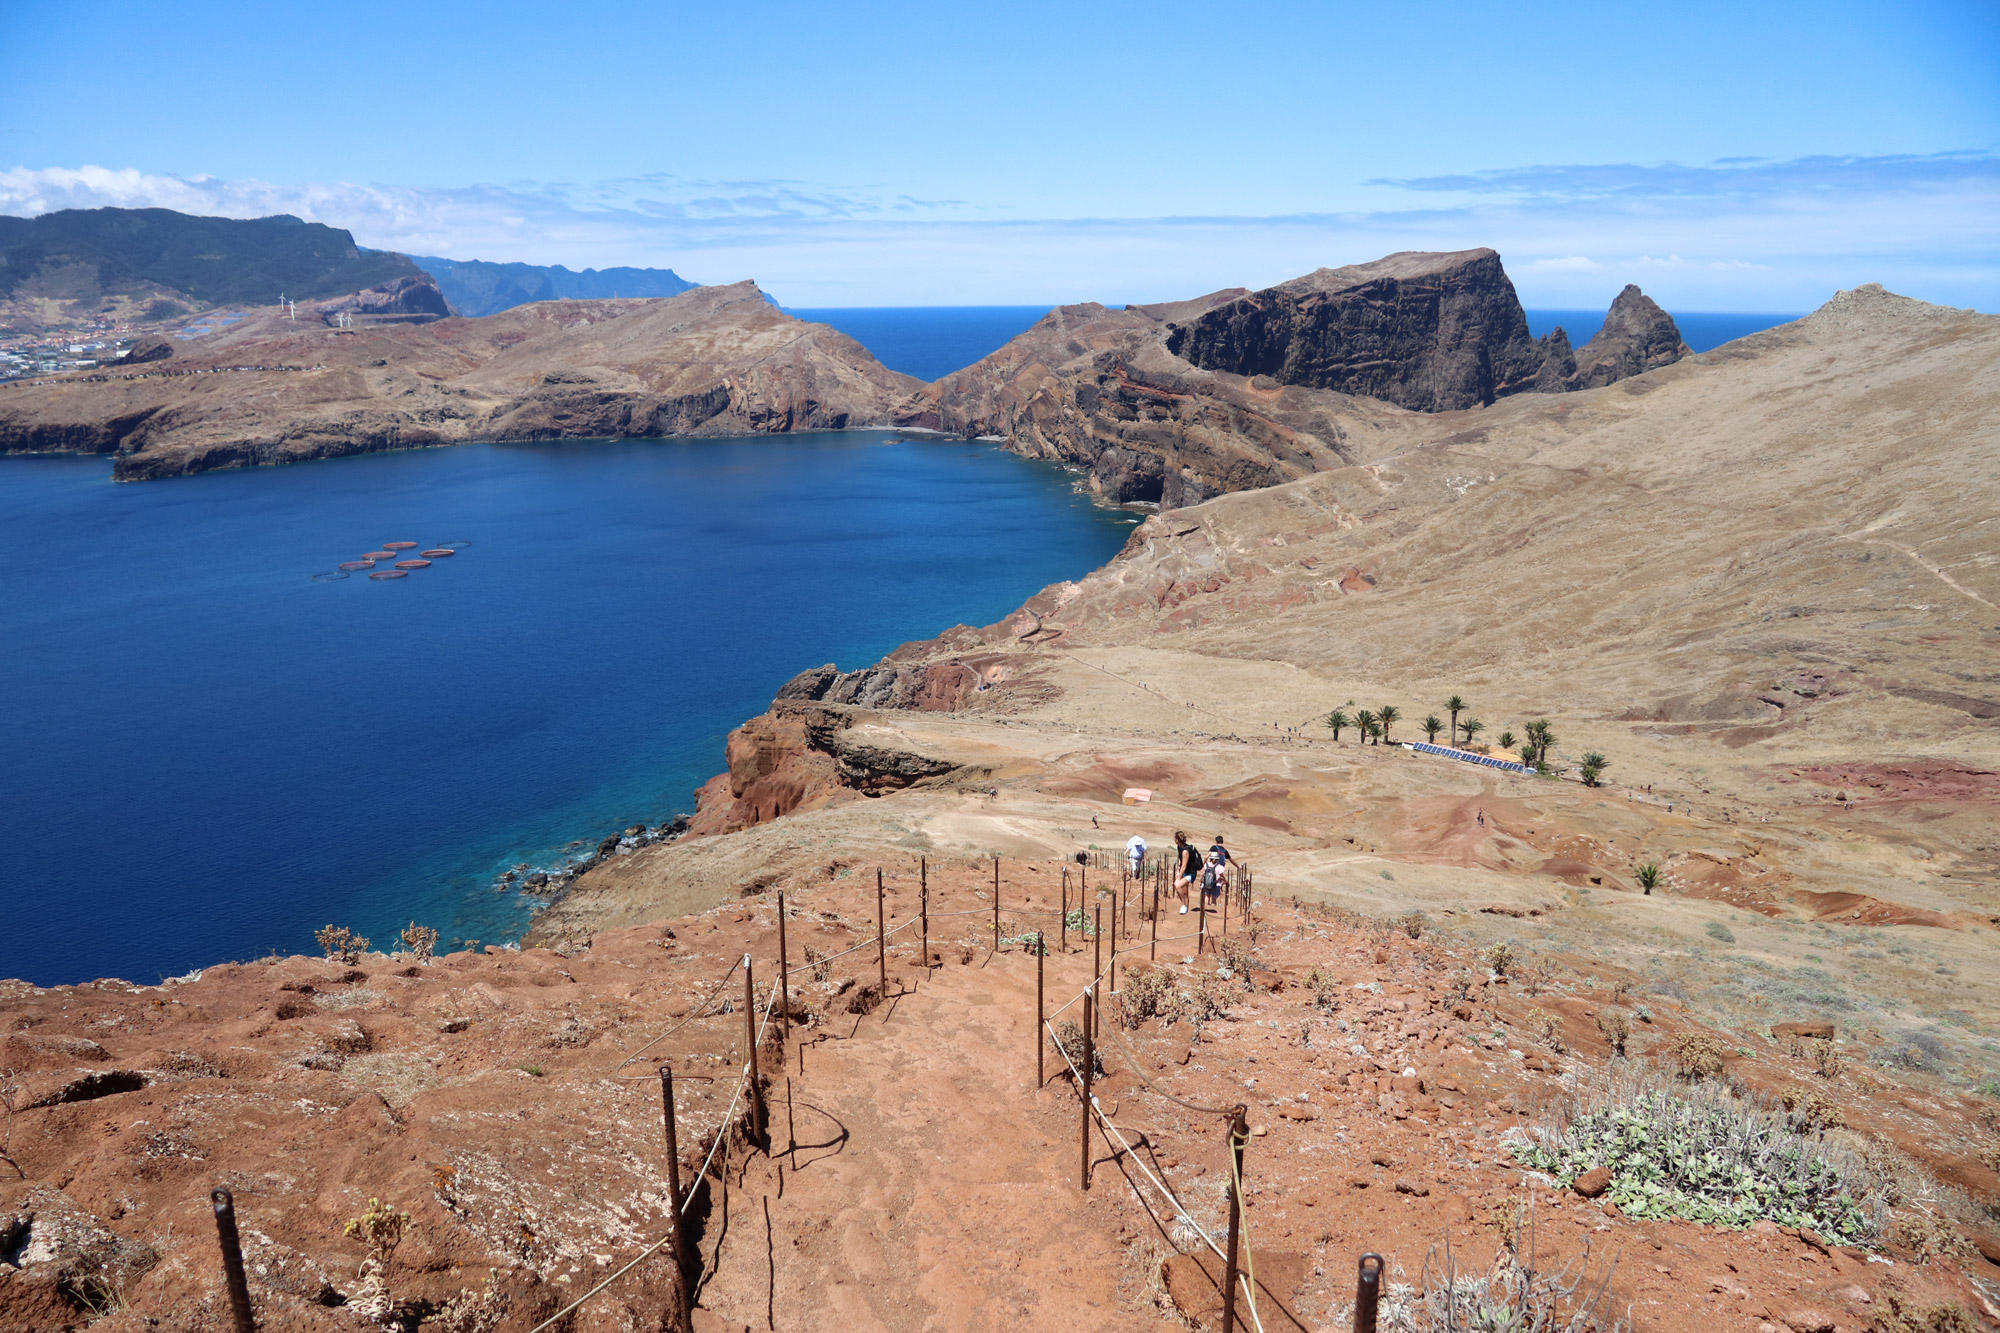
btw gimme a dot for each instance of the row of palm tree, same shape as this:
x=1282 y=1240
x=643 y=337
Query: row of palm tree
x=1533 y=747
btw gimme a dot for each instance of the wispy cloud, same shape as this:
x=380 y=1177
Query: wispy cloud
x=1731 y=178
x=1736 y=235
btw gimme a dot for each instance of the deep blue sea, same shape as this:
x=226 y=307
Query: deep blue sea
x=209 y=755
x=928 y=341
x=1704 y=331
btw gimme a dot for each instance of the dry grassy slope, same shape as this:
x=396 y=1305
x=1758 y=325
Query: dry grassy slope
x=1757 y=581
x=712 y=361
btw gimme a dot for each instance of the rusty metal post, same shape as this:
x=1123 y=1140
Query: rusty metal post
x=1089 y=1059
x=1041 y=1051
x=1238 y=1132
x=996 y=904
x=924 y=914
x=1201 y=910
x=1062 y=935
x=1154 y=954
x=241 y=1317
x=784 y=977
x=1097 y=964
x=750 y=1041
x=881 y=939
x=674 y=1187
x=1367 y=1292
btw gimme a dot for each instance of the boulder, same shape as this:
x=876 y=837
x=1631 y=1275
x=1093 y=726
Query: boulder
x=147 y=349
x=1812 y=1030
x=1592 y=1182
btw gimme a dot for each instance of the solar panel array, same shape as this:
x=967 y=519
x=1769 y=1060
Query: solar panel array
x=1424 y=747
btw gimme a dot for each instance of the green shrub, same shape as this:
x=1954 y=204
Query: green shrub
x=1703 y=1155
x=1718 y=931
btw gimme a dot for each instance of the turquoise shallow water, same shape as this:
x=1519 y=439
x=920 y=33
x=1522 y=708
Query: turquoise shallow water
x=210 y=755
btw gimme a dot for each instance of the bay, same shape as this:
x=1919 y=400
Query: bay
x=210 y=755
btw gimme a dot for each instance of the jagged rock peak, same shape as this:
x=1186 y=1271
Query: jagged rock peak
x=1637 y=337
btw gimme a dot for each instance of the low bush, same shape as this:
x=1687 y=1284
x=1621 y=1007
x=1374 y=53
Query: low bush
x=1920 y=1051
x=1516 y=1294
x=1695 y=1055
x=341 y=943
x=1717 y=931
x=420 y=940
x=1069 y=1048
x=1703 y=1155
x=1500 y=957
x=1325 y=990
x=1413 y=924
x=1616 y=1028
x=1148 y=994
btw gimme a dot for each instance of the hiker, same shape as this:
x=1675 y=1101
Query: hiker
x=1218 y=851
x=1482 y=819
x=1187 y=867
x=1215 y=876
x=1135 y=852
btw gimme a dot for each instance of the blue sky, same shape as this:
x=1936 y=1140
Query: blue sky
x=1724 y=156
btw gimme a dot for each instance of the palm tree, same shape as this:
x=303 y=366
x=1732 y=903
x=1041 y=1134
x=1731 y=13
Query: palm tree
x=1388 y=714
x=1649 y=876
x=1454 y=706
x=1432 y=726
x=1469 y=728
x=1364 y=722
x=1541 y=737
x=1507 y=741
x=1377 y=730
x=1593 y=767
x=1338 y=719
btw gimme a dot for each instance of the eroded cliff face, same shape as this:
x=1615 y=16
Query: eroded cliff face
x=714 y=361
x=1430 y=332
x=1238 y=390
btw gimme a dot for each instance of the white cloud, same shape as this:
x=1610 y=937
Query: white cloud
x=1780 y=236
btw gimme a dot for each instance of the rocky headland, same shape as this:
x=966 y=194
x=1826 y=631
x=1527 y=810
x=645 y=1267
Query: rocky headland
x=1238 y=390
x=278 y=389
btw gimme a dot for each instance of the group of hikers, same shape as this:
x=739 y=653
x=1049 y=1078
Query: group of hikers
x=1189 y=867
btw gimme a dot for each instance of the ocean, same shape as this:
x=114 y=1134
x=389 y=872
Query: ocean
x=211 y=754
x=932 y=341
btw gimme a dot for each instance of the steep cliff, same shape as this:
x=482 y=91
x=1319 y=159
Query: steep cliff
x=1431 y=332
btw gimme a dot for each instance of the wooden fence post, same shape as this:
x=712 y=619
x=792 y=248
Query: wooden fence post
x=679 y=1242
x=750 y=1041
x=1239 y=1132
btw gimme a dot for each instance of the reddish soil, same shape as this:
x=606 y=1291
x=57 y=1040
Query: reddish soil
x=916 y=1178
x=1930 y=780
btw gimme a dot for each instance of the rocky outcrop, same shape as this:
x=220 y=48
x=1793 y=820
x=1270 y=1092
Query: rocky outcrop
x=1174 y=404
x=1430 y=332
x=412 y=300
x=713 y=361
x=1637 y=337
x=803 y=754
x=147 y=349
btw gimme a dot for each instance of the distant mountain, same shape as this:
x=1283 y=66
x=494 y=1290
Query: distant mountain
x=481 y=287
x=153 y=263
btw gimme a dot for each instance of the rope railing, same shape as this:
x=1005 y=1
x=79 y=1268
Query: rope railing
x=721 y=1136
x=699 y=1011
x=1129 y=1153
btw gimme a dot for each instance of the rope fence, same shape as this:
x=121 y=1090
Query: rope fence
x=778 y=1001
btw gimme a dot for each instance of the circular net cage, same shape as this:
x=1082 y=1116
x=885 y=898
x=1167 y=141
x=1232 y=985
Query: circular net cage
x=330 y=576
